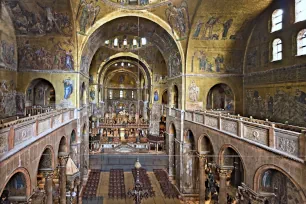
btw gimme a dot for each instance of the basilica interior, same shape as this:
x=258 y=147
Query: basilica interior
x=153 y=101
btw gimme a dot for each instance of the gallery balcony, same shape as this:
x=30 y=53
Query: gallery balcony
x=21 y=132
x=286 y=140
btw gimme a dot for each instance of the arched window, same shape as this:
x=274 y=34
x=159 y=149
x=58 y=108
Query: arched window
x=300 y=10
x=301 y=42
x=277 y=50
x=277 y=20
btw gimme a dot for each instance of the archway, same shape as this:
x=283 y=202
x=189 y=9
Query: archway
x=221 y=97
x=73 y=151
x=175 y=94
x=277 y=183
x=190 y=164
x=45 y=177
x=83 y=94
x=230 y=157
x=165 y=98
x=205 y=145
x=41 y=93
x=17 y=187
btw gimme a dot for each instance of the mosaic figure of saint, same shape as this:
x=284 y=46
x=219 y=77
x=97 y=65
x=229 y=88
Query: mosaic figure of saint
x=69 y=60
x=156 y=96
x=68 y=88
x=178 y=18
x=89 y=13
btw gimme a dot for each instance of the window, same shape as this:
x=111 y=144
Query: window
x=301 y=42
x=277 y=20
x=134 y=42
x=121 y=94
x=110 y=94
x=300 y=10
x=116 y=42
x=132 y=94
x=125 y=42
x=143 y=41
x=277 y=50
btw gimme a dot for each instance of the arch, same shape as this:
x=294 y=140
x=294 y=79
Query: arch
x=189 y=139
x=221 y=97
x=47 y=152
x=262 y=169
x=141 y=14
x=27 y=177
x=165 y=97
x=301 y=42
x=277 y=20
x=63 y=144
x=175 y=94
x=83 y=93
x=40 y=92
x=277 y=49
x=101 y=71
x=205 y=144
x=235 y=161
x=172 y=129
x=73 y=148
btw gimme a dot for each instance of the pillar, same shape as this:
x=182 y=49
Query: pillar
x=145 y=112
x=224 y=173
x=202 y=163
x=48 y=186
x=63 y=179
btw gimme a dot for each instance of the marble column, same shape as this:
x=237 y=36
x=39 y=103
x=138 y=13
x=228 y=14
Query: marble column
x=145 y=112
x=63 y=179
x=48 y=175
x=224 y=173
x=202 y=164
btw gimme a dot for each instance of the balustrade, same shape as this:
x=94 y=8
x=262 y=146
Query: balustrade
x=21 y=130
x=286 y=139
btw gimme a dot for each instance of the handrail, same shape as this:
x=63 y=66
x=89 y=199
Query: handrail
x=286 y=139
x=25 y=129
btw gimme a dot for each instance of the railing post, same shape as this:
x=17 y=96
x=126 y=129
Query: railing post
x=204 y=117
x=272 y=136
x=193 y=116
x=240 y=128
x=219 y=122
x=36 y=127
x=11 y=139
x=302 y=145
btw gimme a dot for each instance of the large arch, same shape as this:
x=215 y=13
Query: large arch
x=63 y=144
x=190 y=163
x=123 y=55
x=261 y=170
x=92 y=43
x=40 y=92
x=27 y=177
x=205 y=144
x=230 y=156
x=141 y=14
x=221 y=97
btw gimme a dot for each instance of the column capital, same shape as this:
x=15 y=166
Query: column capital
x=63 y=158
x=202 y=154
x=225 y=171
x=47 y=173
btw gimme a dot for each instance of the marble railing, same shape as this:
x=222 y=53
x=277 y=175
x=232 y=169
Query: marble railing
x=15 y=133
x=269 y=134
x=37 y=110
x=285 y=139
